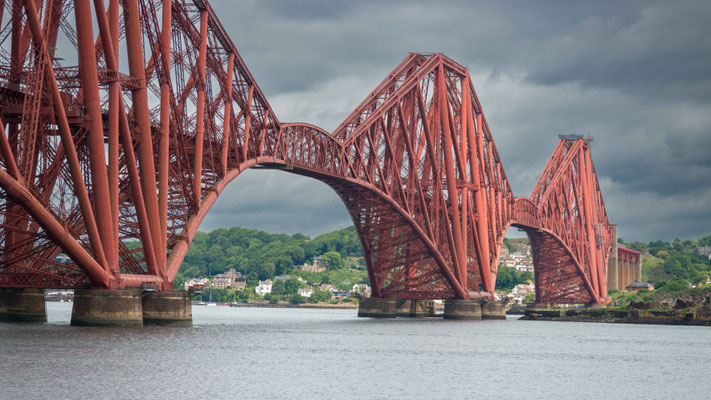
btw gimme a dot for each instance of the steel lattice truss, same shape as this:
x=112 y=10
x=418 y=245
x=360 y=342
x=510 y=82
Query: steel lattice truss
x=115 y=144
x=565 y=219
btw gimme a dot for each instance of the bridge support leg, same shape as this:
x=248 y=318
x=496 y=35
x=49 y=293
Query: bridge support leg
x=167 y=308
x=492 y=310
x=462 y=309
x=103 y=307
x=22 y=305
x=414 y=308
x=375 y=307
x=612 y=263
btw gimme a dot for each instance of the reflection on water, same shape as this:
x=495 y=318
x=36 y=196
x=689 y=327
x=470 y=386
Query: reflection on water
x=322 y=354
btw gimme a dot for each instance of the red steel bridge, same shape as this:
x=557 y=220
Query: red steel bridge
x=123 y=122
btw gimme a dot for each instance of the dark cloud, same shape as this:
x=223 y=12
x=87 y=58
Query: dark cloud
x=278 y=202
x=635 y=75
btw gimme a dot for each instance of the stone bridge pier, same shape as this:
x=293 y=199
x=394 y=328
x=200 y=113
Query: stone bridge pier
x=624 y=266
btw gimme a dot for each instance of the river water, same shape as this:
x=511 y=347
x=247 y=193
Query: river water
x=253 y=353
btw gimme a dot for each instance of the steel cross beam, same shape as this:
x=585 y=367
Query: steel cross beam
x=116 y=162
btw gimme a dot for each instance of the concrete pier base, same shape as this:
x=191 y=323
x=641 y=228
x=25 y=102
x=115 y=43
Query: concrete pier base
x=22 y=305
x=414 y=308
x=492 y=310
x=374 y=307
x=167 y=308
x=462 y=309
x=101 y=307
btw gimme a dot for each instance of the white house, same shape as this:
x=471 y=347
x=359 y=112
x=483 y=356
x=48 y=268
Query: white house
x=519 y=255
x=524 y=267
x=362 y=289
x=508 y=262
x=264 y=287
x=306 y=292
x=327 y=287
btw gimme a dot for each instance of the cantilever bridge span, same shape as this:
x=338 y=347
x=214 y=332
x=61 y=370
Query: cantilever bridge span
x=129 y=132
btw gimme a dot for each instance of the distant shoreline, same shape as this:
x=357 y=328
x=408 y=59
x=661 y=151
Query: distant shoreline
x=289 y=305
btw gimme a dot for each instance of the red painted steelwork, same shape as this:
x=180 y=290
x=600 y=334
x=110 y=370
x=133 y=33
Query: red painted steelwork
x=567 y=205
x=629 y=255
x=117 y=168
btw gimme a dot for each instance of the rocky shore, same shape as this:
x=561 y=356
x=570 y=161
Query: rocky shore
x=679 y=311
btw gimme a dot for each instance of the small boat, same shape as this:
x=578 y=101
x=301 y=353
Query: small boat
x=211 y=304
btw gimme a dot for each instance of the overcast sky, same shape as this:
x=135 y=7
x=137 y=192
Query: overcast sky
x=635 y=75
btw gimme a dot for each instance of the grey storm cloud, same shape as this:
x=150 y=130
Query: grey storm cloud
x=635 y=75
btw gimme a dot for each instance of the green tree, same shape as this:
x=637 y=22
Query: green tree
x=179 y=281
x=508 y=277
x=676 y=286
x=700 y=277
x=191 y=272
x=296 y=299
x=509 y=245
x=259 y=255
x=526 y=276
x=663 y=254
x=283 y=265
x=244 y=296
x=333 y=260
x=505 y=278
x=705 y=241
x=320 y=296
x=291 y=287
x=278 y=288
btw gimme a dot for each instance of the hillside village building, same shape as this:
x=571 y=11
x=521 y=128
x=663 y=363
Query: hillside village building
x=264 y=287
x=362 y=289
x=526 y=264
x=520 y=259
x=195 y=281
x=228 y=280
x=704 y=250
x=633 y=287
x=522 y=290
x=317 y=266
x=327 y=287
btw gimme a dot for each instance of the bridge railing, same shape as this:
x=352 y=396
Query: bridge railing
x=526 y=213
x=308 y=146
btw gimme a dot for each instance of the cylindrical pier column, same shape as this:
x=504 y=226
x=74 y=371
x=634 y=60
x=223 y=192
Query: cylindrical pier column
x=462 y=309
x=167 y=308
x=492 y=310
x=22 y=305
x=375 y=307
x=103 y=307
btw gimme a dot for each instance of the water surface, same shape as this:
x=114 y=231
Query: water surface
x=256 y=353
